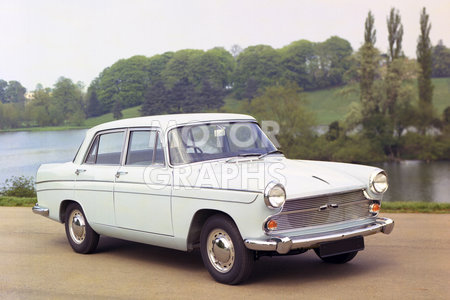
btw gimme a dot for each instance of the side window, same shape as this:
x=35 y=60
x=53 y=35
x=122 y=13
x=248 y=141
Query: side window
x=144 y=148
x=106 y=149
x=92 y=156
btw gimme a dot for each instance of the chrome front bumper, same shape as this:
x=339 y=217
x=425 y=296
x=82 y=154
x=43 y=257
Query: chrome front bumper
x=283 y=244
x=40 y=210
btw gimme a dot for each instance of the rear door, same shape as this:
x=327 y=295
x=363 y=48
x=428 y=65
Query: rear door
x=94 y=184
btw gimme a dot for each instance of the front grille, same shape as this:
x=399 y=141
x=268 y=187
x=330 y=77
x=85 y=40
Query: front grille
x=322 y=210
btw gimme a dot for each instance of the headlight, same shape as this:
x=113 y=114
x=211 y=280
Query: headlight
x=274 y=195
x=378 y=182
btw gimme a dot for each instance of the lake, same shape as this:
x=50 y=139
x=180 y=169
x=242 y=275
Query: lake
x=21 y=153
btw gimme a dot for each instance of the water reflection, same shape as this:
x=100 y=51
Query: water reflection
x=418 y=181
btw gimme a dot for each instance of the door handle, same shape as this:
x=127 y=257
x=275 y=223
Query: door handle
x=78 y=171
x=119 y=173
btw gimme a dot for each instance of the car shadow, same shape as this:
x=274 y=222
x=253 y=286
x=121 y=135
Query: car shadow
x=150 y=254
x=307 y=267
x=302 y=268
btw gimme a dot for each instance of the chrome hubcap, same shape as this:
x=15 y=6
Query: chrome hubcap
x=220 y=250
x=77 y=226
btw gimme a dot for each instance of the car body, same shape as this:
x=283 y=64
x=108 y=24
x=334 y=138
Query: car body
x=213 y=181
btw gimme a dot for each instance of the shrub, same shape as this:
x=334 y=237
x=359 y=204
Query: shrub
x=21 y=186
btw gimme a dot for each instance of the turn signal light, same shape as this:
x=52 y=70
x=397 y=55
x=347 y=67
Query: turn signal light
x=272 y=225
x=374 y=208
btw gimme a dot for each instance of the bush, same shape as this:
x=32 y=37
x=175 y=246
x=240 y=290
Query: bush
x=18 y=187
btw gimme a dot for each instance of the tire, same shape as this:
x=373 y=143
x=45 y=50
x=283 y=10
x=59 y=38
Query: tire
x=223 y=251
x=337 y=259
x=80 y=235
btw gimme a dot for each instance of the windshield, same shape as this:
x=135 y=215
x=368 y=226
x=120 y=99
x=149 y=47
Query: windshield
x=195 y=143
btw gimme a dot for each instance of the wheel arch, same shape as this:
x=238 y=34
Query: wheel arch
x=200 y=217
x=63 y=207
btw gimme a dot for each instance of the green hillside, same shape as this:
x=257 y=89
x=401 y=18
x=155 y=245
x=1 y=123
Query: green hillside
x=127 y=113
x=332 y=104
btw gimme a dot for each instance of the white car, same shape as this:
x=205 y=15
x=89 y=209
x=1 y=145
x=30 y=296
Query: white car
x=213 y=181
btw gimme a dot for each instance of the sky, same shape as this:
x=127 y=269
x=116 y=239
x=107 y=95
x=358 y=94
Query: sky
x=43 y=40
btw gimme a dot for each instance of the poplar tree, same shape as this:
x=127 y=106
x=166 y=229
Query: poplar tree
x=424 y=59
x=395 y=31
x=394 y=69
x=369 y=58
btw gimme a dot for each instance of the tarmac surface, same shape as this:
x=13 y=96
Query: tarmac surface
x=36 y=262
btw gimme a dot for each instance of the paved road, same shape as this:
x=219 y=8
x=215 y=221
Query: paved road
x=37 y=262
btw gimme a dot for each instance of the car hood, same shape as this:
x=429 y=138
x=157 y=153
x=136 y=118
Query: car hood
x=301 y=178
x=309 y=178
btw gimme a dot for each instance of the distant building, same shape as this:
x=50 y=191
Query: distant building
x=29 y=96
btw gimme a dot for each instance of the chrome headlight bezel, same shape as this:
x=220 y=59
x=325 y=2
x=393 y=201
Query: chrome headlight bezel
x=378 y=182
x=271 y=200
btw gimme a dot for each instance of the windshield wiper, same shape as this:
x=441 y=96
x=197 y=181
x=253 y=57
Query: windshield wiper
x=270 y=152
x=243 y=155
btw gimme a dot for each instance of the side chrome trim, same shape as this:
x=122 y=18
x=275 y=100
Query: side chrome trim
x=40 y=210
x=283 y=244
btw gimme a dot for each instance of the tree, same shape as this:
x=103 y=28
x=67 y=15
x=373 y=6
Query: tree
x=296 y=59
x=127 y=78
x=117 y=108
x=93 y=106
x=235 y=50
x=441 y=60
x=395 y=32
x=333 y=61
x=214 y=66
x=10 y=115
x=369 y=62
x=44 y=109
x=15 y=92
x=210 y=96
x=68 y=98
x=260 y=63
x=181 y=68
x=285 y=105
x=424 y=79
x=3 y=86
x=394 y=77
x=181 y=98
x=156 y=100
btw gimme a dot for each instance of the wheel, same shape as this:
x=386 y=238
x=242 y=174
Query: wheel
x=337 y=259
x=223 y=251
x=81 y=236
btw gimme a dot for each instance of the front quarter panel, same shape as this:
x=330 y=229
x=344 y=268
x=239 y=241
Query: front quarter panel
x=248 y=216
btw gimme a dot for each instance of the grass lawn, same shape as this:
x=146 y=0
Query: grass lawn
x=17 y=201
x=415 y=207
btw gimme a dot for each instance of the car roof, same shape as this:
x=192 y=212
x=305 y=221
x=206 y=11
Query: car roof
x=166 y=121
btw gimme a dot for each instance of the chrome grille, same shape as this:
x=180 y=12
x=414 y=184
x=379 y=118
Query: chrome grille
x=305 y=212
